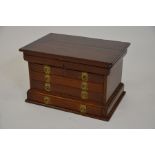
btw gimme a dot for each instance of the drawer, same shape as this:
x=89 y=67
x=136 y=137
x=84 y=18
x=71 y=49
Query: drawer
x=68 y=82
x=67 y=65
x=65 y=103
x=67 y=73
x=69 y=91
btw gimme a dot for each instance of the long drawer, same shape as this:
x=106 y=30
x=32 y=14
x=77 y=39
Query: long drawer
x=50 y=88
x=65 y=103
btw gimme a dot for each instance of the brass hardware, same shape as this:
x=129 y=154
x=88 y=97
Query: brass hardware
x=47 y=69
x=46 y=100
x=84 y=95
x=84 y=86
x=47 y=78
x=84 y=76
x=83 y=108
x=47 y=87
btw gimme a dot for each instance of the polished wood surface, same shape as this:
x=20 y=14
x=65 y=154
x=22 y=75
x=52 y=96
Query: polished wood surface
x=114 y=78
x=68 y=82
x=67 y=103
x=68 y=58
x=66 y=65
x=70 y=91
x=73 y=105
x=66 y=73
x=66 y=47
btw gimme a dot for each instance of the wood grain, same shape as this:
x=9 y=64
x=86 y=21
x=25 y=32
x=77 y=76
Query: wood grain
x=64 y=81
x=68 y=103
x=66 y=65
x=66 y=47
x=70 y=91
x=71 y=74
x=67 y=58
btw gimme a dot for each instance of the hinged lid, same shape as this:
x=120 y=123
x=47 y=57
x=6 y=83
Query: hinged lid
x=83 y=50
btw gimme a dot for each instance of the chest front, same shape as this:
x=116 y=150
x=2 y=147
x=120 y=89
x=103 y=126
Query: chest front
x=76 y=74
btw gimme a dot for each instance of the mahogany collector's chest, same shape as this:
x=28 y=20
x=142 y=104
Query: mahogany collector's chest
x=76 y=74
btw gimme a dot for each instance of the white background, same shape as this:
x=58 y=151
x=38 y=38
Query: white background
x=137 y=109
x=77 y=13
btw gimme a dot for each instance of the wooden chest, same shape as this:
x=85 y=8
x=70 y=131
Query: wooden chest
x=76 y=74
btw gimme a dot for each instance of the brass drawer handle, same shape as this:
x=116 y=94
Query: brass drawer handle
x=84 y=76
x=47 y=87
x=84 y=95
x=84 y=86
x=83 y=108
x=47 y=78
x=47 y=69
x=46 y=100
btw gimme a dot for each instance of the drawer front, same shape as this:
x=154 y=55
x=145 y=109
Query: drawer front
x=68 y=91
x=68 y=82
x=66 y=65
x=67 y=73
x=70 y=104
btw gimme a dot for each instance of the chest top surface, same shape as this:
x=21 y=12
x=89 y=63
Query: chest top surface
x=82 y=48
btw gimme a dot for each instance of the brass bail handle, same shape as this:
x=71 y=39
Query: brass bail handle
x=84 y=76
x=47 y=87
x=83 y=108
x=47 y=69
x=47 y=78
x=84 y=95
x=84 y=86
x=46 y=100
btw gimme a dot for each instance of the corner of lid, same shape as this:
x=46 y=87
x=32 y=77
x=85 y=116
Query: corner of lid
x=109 y=65
x=129 y=44
x=21 y=49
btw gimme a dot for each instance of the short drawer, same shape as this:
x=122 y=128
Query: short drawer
x=68 y=91
x=96 y=78
x=68 y=82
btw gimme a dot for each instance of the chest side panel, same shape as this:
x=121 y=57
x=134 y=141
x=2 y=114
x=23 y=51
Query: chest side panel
x=114 y=78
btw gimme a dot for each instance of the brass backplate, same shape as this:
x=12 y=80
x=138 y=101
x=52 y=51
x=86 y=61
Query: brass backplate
x=84 y=76
x=84 y=86
x=46 y=100
x=47 y=69
x=47 y=87
x=84 y=95
x=83 y=108
x=47 y=78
